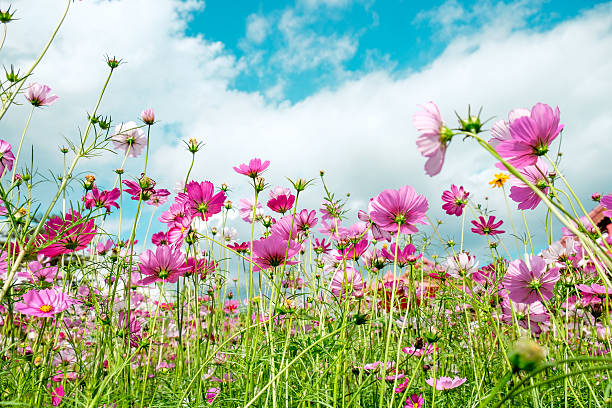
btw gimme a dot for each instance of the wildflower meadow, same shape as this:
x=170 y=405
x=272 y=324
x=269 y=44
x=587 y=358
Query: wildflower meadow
x=316 y=307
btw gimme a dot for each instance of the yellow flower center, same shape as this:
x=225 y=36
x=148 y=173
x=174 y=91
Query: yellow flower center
x=46 y=308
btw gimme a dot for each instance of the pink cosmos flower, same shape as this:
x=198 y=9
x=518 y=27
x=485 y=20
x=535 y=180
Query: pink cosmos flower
x=144 y=187
x=501 y=129
x=533 y=317
x=461 y=265
x=160 y=238
x=378 y=233
x=305 y=220
x=394 y=210
x=405 y=256
x=129 y=137
x=270 y=252
x=212 y=393
x=103 y=248
x=253 y=169
x=347 y=281
x=37 y=272
x=158 y=198
x=353 y=250
x=246 y=209
x=67 y=235
x=286 y=228
x=163 y=264
x=488 y=227
x=445 y=383
x=593 y=293
x=105 y=199
x=199 y=199
x=606 y=202
x=57 y=395
x=148 y=116
x=415 y=351
x=530 y=282
x=242 y=248
x=454 y=200
x=320 y=247
x=414 y=401
x=434 y=137
x=6 y=157
x=522 y=194
x=44 y=303
x=40 y=95
x=531 y=136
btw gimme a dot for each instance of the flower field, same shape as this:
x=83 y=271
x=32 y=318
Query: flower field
x=318 y=307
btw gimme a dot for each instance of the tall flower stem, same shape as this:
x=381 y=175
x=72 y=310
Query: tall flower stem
x=9 y=102
x=25 y=129
x=27 y=247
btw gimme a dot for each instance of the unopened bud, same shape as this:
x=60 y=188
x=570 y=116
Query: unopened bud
x=526 y=354
x=260 y=184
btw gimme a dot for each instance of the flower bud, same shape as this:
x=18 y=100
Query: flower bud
x=148 y=116
x=193 y=145
x=119 y=171
x=88 y=184
x=228 y=205
x=526 y=354
x=596 y=197
x=112 y=62
x=6 y=16
x=224 y=187
x=12 y=76
x=260 y=184
x=213 y=231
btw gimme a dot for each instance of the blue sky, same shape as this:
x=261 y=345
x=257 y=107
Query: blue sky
x=395 y=35
x=317 y=84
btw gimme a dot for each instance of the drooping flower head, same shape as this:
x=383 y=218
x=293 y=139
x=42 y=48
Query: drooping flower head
x=434 y=137
x=405 y=256
x=70 y=234
x=270 y=252
x=200 y=199
x=38 y=272
x=44 y=303
x=394 y=210
x=305 y=220
x=165 y=263
x=531 y=136
x=522 y=194
x=530 y=282
x=129 y=137
x=253 y=169
x=40 y=95
x=160 y=238
x=6 y=157
x=487 y=227
x=454 y=200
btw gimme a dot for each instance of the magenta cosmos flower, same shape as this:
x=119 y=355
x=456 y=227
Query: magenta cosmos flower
x=105 y=199
x=305 y=220
x=406 y=256
x=6 y=157
x=253 y=169
x=454 y=200
x=533 y=317
x=530 y=282
x=37 y=272
x=129 y=138
x=488 y=227
x=500 y=131
x=445 y=383
x=531 y=136
x=270 y=252
x=163 y=264
x=67 y=235
x=282 y=203
x=414 y=401
x=394 y=210
x=522 y=194
x=200 y=199
x=44 y=303
x=40 y=95
x=434 y=137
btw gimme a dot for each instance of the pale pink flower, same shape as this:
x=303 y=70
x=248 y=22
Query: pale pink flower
x=445 y=383
x=40 y=95
x=434 y=137
x=129 y=136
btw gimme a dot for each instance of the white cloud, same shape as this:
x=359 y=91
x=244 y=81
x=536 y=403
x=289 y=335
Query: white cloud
x=360 y=133
x=257 y=28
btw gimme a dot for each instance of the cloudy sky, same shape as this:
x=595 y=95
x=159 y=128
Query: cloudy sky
x=318 y=85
